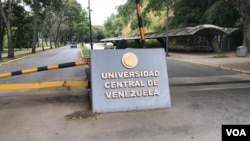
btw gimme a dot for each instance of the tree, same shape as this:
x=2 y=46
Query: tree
x=34 y=36
x=7 y=21
x=225 y=17
x=70 y=11
x=109 y=27
x=1 y=38
x=189 y=13
x=243 y=6
x=81 y=28
x=97 y=32
x=49 y=23
x=125 y=21
x=21 y=26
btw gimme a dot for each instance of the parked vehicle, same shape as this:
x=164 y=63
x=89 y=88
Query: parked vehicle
x=109 y=45
x=73 y=45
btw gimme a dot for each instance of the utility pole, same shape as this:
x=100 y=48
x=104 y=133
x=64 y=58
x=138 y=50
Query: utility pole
x=90 y=27
x=140 y=23
x=166 y=28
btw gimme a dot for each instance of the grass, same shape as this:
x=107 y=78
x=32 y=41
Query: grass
x=85 y=51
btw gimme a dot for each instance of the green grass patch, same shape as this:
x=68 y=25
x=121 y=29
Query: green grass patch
x=85 y=51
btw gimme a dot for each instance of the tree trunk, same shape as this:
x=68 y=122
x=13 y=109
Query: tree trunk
x=1 y=36
x=34 y=40
x=57 y=34
x=50 y=37
x=10 y=43
x=246 y=35
x=1 y=39
x=42 y=44
x=9 y=31
x=50 y=42
x=7 y=21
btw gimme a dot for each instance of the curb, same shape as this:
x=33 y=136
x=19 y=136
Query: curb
x=209 y=65
x=81 y=52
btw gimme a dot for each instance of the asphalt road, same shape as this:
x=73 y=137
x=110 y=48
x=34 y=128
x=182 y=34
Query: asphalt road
x=180 y=69
x=51 y=57
x=203 y=98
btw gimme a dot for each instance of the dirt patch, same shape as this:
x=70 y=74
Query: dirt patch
x=4 y=103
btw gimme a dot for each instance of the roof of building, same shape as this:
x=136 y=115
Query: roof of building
x=187 y=31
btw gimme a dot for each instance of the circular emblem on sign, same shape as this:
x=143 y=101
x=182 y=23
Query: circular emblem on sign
x=129 y=60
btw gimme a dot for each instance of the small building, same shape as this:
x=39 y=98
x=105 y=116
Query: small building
x=201 y=37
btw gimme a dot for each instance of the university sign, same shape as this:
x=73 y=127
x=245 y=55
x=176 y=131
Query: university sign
x=129 y=79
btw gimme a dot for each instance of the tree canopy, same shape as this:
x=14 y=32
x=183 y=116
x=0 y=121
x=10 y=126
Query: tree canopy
x=32 y=23
x=181 y=13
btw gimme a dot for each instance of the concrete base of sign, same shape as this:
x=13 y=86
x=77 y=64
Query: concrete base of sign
x=129 y=79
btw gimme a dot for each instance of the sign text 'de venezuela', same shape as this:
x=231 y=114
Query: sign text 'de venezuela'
x=129 y=79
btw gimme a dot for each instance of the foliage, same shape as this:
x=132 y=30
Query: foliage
x=217 y=15
x=113 y=26
x=56 y=22
x=196 y=12
x=243 y=7
x=180 y=13
x=97 y=33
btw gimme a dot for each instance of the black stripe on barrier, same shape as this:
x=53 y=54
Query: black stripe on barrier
x=16 y=73
x=44 y=68
x=71 y=64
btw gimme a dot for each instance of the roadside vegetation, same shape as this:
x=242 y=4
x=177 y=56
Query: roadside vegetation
x=85 y=50
x=179 y=14
x=40 y=23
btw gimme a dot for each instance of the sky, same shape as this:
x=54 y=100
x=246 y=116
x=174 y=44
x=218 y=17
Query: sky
x=101 y=9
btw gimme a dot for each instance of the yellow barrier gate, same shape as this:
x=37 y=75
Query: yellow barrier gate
x=44 y=84
x=44 y=68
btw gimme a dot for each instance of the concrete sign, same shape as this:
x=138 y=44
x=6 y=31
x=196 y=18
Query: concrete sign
x=129 y=79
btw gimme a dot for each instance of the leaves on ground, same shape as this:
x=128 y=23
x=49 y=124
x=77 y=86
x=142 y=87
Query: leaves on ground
x=79 y=115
